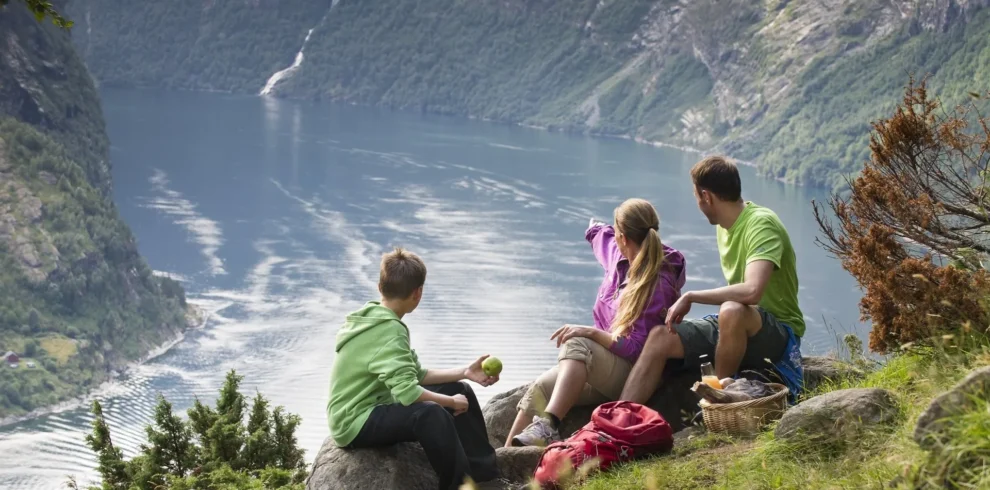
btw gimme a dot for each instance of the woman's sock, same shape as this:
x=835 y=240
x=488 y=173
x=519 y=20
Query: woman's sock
x=554 y=421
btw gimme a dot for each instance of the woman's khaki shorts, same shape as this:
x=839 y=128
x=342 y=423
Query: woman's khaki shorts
x=607 y=375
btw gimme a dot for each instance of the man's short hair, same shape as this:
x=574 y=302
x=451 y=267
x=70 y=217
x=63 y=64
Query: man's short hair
x=402 y=272
x=718 y=175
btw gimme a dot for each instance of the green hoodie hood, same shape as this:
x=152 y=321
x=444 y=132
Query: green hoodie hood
x=368 y=317
x=374 y=365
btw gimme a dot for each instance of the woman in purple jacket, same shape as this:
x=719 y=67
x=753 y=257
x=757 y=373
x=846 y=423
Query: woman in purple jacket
x=643 y=278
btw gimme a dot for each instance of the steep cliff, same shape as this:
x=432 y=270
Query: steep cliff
x=790 y=84
x=76 y=299
x=223 y=45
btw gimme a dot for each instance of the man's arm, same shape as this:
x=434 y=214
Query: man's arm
x=749 y=292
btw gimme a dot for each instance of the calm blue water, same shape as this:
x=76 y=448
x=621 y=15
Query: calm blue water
x=274 y=215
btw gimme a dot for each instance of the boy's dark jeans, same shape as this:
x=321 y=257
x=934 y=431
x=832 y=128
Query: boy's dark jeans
x=456 y=446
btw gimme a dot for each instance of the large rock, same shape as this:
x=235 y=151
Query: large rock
x=399 y=466
x=674 y=400
x=405 y=466
x=839 y=415
x=518 y=464
x=818 y=370
x=969 y=394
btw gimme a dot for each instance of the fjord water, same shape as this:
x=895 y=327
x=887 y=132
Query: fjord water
x=274 y=213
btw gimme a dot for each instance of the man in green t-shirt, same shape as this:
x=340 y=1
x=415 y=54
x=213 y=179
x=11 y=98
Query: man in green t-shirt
x=757 y=310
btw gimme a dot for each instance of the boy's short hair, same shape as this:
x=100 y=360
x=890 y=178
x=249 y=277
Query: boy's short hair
x=718 y=175
x=402 y=272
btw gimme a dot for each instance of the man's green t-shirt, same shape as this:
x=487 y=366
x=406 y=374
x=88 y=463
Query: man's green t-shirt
x=758 y=234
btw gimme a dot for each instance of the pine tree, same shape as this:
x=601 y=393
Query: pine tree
x=112 y=467
x=230 y=454
x=288 y=454
x=259 y=447
x=201 y=418
x=221 y=431
x=170 y=445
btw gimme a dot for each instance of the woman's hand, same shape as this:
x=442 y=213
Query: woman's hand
x=568 y=332
x=593 y=221
x=475 y=373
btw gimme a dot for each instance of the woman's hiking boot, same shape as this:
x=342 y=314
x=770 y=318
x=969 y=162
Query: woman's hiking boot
x=540 y=433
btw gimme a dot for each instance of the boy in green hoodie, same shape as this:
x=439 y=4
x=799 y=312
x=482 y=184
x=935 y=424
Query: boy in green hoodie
x=380 y=395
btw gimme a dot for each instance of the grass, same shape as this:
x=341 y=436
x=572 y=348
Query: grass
x=881 y=458
x=11 y=341
x=59 y=348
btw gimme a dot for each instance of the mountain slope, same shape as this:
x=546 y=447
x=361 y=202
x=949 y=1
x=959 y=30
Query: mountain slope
x=76 y=299
x=789 y=84
x=198 y=45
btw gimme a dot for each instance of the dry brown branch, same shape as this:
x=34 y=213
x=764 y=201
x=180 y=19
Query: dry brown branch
x=920 y=201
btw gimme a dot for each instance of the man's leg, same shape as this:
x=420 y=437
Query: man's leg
x=646 y=374
x=736 y=324
x=472 y=432
x=768 y=344
x=427 y=423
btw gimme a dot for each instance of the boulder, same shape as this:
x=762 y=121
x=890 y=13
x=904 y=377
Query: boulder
x=518 y=464
x=969 y=394
x=405 y=466
x=817 y=370
x=399 y=466
x=674 y=400
x=838 y=416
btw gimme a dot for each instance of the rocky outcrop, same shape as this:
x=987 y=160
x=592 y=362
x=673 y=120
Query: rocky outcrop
x=674 y=400
x=517 y=464
x=818 y=370
x=20 y=230
x=969 y=394
x=405 y=466
x=398 y=466
x=838 y=416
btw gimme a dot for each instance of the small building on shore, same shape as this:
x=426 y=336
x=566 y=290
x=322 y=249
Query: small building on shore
x=11 y=359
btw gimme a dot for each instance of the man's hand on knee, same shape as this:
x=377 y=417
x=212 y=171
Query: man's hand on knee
x=662 y=344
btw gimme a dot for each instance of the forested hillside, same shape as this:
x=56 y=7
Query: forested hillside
x=789 y=84
x=76 y=299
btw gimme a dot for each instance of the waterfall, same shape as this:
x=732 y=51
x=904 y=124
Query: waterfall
x=279 y=75
x=283 y=74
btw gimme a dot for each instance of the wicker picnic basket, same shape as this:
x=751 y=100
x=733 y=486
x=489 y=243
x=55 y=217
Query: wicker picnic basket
x=748 y=417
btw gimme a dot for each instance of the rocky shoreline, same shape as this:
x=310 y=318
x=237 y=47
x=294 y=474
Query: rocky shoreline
x=196 y=317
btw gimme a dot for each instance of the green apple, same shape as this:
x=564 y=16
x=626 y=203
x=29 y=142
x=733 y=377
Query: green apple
x=492 y=366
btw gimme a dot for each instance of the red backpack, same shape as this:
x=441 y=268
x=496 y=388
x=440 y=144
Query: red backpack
x=617 y=432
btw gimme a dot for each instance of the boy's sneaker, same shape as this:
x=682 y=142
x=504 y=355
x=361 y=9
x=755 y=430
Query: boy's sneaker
x=540 y=433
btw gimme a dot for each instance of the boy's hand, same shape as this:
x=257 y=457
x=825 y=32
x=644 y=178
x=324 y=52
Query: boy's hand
x=475 y=373
x=460 y=404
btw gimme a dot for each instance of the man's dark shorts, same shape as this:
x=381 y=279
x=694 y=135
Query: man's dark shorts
x=764 y=349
